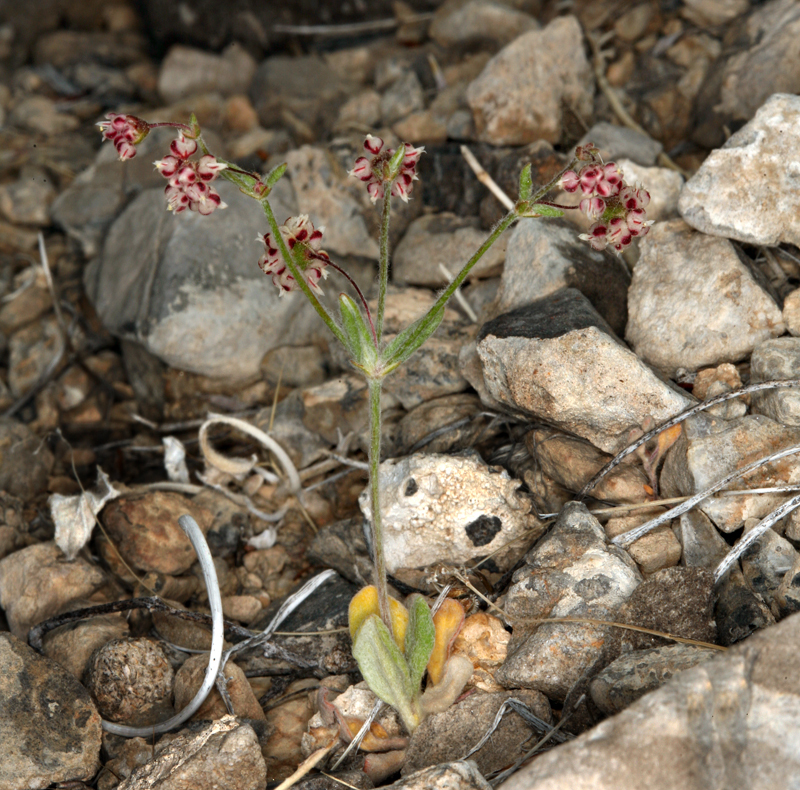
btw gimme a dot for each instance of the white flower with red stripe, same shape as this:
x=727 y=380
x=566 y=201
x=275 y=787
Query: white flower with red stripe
x=125 y=131
x=375 y=172
x=303 y=241
x=189 y=182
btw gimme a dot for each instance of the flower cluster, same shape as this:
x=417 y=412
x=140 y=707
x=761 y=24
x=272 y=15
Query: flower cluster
x=376 y=171
x=618 y=209
x=125 y=131
x=189 y=182
x=303 y=241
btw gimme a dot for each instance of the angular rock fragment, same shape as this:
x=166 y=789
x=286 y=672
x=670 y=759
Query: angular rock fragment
x=692 y=302
x=557 y=360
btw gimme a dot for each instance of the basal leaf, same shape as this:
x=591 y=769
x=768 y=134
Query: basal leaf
x=420 y=638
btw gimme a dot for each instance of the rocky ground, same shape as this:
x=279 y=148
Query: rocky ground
x=141 y=324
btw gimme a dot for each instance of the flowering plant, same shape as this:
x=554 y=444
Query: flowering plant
x=394 y=646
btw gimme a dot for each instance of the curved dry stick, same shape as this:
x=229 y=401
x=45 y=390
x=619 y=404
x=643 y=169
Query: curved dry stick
x=678 y=418
x=239 y=465
x=626 y=538
x=193 y=532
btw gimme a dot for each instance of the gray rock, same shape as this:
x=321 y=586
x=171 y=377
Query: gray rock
x=31 y=351
x=36 y=583
x=296 y=366
x=446 y=239
x=791 y=312
x=449 y=509
x=12 y=524
x=342 y=546
x=87 y=207
x=287 y=426
x=27 y=200
x=572 y=572
x=766 y=562
x=767 y=66
x=39 y=114
x=692 y=303
x=224 y=754
x=434 y=370
x=710 y=448
x=520 y=95
x=738 y=611
x=778 y=358
x=723 y=717
x=188 y=287
x=305 y=86
x=24 y=462
x=787 y=596
x=186 y=72
x=448 y=736
x=325 y=193
x=476 y=22
x=706 y=13
x=558 y=360
x=49 y=728
x=546 y=255
x=444 y=425
x=635 y=674
x=676 y=600
x=461 y=775
x=401 y=98
x=618 y=142
x=714 y=199
x=702 y=545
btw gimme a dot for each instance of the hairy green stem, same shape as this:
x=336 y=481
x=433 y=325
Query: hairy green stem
x=375 y=386
x=383 y=270
x=298 y=275
x=500 y=228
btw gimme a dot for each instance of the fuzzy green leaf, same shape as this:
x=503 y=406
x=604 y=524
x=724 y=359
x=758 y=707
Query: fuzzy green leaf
x=359 y=338
x=525 y=183
x=385 y=669
x=540 y=210
x=420 y=638
x=274 y=175
x=411 y=338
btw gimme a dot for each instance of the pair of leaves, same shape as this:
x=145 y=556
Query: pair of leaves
x=395 y=675
x=361 y=342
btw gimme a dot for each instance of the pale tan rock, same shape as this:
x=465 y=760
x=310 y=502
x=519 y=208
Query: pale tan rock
x=244 y=608
x=520 y=95
x=484 y=641
x=36 y=583
x=652 y=552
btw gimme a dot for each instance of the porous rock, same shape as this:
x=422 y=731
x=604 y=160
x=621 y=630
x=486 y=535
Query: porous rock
x=449 y=509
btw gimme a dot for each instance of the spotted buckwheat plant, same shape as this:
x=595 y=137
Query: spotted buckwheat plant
x=395 y=646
